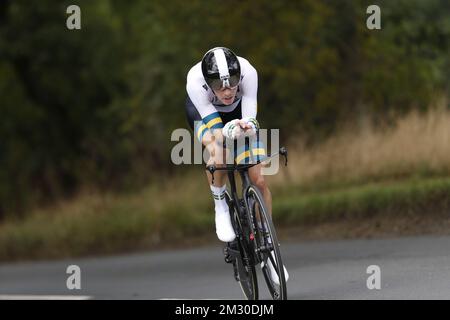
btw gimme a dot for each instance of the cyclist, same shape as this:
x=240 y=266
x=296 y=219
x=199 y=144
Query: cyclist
x=222 y=100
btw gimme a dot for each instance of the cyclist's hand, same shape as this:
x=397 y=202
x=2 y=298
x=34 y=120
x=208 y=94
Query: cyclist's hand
x=249 y=125
x=244 y=125
x=237 y=128
x=232 y=129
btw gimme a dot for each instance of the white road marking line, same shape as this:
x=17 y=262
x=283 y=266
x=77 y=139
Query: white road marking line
x=42 y=297
x=192 y=299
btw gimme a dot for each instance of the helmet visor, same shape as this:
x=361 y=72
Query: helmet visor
x=228 y=82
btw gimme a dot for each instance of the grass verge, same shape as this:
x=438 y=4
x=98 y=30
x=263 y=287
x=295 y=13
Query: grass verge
x=407 y=197
x=105 y=225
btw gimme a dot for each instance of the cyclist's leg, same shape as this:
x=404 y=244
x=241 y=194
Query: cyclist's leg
x=224 y=228
x=257 y=179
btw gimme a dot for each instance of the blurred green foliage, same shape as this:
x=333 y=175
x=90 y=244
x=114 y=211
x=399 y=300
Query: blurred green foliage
x=96 y=106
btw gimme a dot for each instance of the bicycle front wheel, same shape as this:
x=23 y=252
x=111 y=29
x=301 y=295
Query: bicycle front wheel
x=246 y=272
x=266 y=244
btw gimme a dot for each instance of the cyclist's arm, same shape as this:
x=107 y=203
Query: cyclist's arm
x=249 y=86
x=211 y=120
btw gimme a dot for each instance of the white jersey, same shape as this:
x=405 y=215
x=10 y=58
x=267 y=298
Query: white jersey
x=206 y=102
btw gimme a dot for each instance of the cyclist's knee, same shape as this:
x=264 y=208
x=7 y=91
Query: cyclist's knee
x=261 y=183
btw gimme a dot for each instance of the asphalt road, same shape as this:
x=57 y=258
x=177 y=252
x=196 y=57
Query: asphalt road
x=410 y=268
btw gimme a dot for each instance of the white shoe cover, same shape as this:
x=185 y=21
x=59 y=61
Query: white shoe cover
x=224 y=228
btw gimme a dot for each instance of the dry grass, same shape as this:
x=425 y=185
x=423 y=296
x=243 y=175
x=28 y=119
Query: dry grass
x=418 y=144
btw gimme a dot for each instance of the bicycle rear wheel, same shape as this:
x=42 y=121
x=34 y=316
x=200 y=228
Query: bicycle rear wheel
x=266 y=244
x=247 y=278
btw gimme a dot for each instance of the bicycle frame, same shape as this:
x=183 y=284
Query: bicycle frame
x=246 y=184
x=243 y=213
x=250 y=251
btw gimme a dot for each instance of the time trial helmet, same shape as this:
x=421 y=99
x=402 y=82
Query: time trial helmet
x=221 y=68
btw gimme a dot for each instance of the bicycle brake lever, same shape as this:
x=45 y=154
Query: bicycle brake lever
x=283 y=151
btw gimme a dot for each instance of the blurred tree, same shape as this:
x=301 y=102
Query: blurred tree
x=56 y=90
x=96 y=107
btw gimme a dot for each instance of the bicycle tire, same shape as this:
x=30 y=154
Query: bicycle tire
x=278 y=292
x=248 y=280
